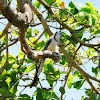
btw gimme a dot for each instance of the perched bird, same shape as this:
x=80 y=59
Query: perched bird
x=52 y=45
x=53 y=42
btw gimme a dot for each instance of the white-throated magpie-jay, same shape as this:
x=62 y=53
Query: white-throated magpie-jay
x=52 y=45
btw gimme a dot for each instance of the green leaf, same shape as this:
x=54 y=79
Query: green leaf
x=39 y=94
x=13 y=89
x=48 y=94
x=63 y=60
x=71 y=4
x=12 y=58
x=3 y=84
x=8 y=80
x=73 y=8
x=3 y=75
x=51 y=79
x=49 y=68
x=21 y=54
x=58 y=2
x=37 y=4
x=97 y=32
x=57 y=73
x=39 y=45
x=79 y=34
x=95 y=70
x=13 y=76
x=46 y=35
x=99 y=98
x=23 y=68
x=88 y=92
x=51 y=74
x=93 y=20
x=24 y=97
x=70 y=81
x=66 y=37
x=81 y=16
x=1 y=57
x=88 y=7
x=49 y=1
x=94 y=96
x=8 y=67
x=62 y=90
x=78 y=84
x=5 y=92
x=29 y=33
x=29 y=68
x=29 y=60
x=25 y=79
x=82 y=98
x=77 y=74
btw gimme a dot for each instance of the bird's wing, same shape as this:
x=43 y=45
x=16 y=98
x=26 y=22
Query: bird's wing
x=47 y=44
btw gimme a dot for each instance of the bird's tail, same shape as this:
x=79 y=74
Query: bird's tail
x=38 y=71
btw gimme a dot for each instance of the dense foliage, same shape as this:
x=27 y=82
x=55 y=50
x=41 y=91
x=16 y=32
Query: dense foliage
x=17 y=70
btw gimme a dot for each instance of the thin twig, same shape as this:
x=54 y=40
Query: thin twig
x=42 y=20
x=6 y=62
x=91 y=94
x=66 y=78
x=5 y=30
x=9 y=45
x=38 y=37
x=77 y=51
x=90 y=83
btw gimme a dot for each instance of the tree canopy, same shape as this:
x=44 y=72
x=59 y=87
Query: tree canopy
x=30 y=24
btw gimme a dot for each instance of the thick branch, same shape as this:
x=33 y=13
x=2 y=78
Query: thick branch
x=23 y=41
x=44 y=54
x=37 y=54
x=3 y=4
x=19 y=19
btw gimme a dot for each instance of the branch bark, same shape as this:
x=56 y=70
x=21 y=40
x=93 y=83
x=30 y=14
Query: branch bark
x=18 y=19
x=7 y=61
x=42 y=20
x=5 y=30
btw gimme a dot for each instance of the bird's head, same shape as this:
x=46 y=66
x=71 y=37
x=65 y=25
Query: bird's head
x=57 y=36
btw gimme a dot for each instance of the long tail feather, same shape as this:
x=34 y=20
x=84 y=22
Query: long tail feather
x=38 y=71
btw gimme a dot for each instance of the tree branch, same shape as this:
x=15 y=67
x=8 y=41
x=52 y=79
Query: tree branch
x=5 y=30
x=6 y=62
x=9 y=45
x=38 y=38
x=66 y=78
x=42 y=20
x=75 y=65
x=66 y=26
x=19 y=19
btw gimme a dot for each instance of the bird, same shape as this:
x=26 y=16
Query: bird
x=53 y=45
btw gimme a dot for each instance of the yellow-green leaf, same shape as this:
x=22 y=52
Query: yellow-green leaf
x=21 y=54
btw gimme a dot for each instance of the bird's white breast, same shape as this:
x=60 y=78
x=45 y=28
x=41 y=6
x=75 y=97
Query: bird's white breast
x=52 y=46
